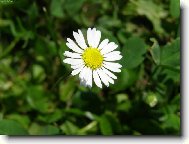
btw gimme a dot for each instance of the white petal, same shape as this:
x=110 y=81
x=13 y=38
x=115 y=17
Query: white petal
x=97 y=79
x=109 y=73
x=89 y=78
x=83 y=83
x=82 y=73
x=113 y=57
x=89 y=37
x=77 y=66
x=73 y=61
x=80 y=39
x=112 y=64
x=85 y=77
x=97 y=36
x=84 y=46
x=72 y=55
x=71 y=44
x=110 y=47
x=102 y=77
x=76 y=71
x=93 y=37
x=103 y=44
x=77 y=38
x=112 y=53
x=110 y=80
x=114 y=69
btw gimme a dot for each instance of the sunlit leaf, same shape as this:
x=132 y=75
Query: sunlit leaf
x=69 y=128
x=155 y=51
x=36 y=129
x=175 y=8
x=170 y=54
x=133 y=52
x=105 y=126
x=154 y=12
x=11 y=127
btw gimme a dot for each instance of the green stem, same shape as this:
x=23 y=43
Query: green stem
x=9 y=48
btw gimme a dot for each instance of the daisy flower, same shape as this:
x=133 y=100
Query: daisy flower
x=93 y=61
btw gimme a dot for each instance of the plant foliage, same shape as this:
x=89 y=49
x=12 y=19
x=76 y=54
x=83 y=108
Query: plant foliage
x=39 y=97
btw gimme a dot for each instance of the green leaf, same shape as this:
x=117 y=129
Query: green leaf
x=56 y=8
x=39 y=94
x=108 y=34
x=73 y=6
x=170 y=54
x=22 y=119
x=37 y=98
x=169 y=109
x=49 y=130
x=173 y=74
x=66 y=90
x=121 y=97
x=38 y=73
x=133 y=52
x=114 y=122
x=123 y=102
x=52 y=117
x=174 y=8
x=44 y=46
x=11 y=127
x=127 y=78
x=69 y=128
x=109 y=22
x=105 y=126
x=124 y=107
x=121 y=35
x=146 y=126
x=153 y=11
x=155 y=51
x=176 y=100
x=91 y=127
x=171 y=121
x=36 y=129
x=33 y=11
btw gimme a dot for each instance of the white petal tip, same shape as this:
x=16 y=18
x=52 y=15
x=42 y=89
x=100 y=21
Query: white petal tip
x=68 y=39
x=100 y=86
x=89 y=86
x=73 y=74
x=65 y=53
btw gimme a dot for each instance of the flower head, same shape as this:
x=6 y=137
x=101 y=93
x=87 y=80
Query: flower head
x=93 y=61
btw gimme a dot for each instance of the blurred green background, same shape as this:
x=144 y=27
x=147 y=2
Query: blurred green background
x=39 y=97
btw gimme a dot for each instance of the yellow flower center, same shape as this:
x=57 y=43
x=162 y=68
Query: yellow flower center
x=92 y=58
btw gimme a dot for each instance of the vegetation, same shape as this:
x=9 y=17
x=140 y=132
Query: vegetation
x=38 y=96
